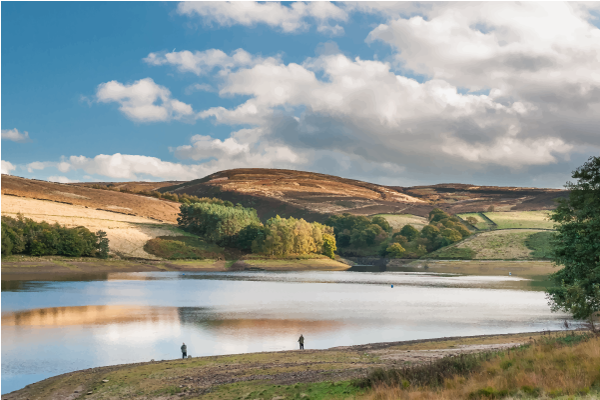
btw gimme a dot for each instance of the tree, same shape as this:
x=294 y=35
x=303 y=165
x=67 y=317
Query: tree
x=7 y=244
x=472 y=220
x=382 y=222
x=576 y=245
x=329 y=247
x=437 y=214
x=451 y=234
x=409 y=232
x=430 y=232
x=395 y=250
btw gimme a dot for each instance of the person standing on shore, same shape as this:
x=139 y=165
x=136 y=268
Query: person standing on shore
x=183 y=351
x=301 y=341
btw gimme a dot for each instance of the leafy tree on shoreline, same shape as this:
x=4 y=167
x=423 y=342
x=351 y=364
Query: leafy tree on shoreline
x=576 y=245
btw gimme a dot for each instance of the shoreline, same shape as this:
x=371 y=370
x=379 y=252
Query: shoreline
x=220 y=375
x=19 y=268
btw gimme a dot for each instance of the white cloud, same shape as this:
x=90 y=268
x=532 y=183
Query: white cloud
x=15 y=135
x=546 y=52
x=289 y=19
x=362 y=107
x=201 y=87
x=61 y=179
x=38 y=165
x=7 y=167
x=143 y=101
x=200 y=62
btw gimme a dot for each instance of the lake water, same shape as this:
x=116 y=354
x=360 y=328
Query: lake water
x=53 y=327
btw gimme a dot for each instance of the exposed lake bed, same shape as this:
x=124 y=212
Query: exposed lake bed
x=120 y=318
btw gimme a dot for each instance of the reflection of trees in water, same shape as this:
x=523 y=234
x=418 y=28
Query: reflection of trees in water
x=208 y=319
x=90 y=315
x=27 y=282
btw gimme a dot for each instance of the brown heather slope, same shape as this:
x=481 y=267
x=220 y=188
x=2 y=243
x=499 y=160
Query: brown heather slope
x=98 y=199
x=460 y=198
x=131 y=186
x=309 y=195
x=314 y=196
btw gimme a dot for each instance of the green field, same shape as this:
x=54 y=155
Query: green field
x=521 y=219
x=397 y=221
x=482 y=223
x=525 y=244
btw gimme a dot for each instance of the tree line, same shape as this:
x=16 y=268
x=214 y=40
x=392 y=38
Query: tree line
x=358 y=232
x=239 y=227
x=25 y=236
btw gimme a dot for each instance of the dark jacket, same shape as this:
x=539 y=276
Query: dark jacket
x=184 y=349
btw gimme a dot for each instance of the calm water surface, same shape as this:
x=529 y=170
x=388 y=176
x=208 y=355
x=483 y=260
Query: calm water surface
x=52 y=327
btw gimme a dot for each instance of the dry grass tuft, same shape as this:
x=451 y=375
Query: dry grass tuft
x=551 y=367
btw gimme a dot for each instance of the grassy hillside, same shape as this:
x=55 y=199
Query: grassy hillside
x=93 y=199
x=517 y=244
x=482 y=222
x=127 y=233
x=397 y=221
x=521 y=219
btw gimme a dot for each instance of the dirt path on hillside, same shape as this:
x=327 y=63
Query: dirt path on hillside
x=195 y=377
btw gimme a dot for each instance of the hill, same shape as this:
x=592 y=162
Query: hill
x=458 y=198
x=313 y=196
x=96 y=199
x=129 y=220
x=309 y=195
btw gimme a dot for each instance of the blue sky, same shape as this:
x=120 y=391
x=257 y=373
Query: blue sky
x=394 y=93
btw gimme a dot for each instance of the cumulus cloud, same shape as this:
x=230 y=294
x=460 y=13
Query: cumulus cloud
x=7 y=167
x=61 y=179
x=500 y=91
x=362 y=107
x=289 y=19
x=143 y=101
x=15 y=135
x=205 y=61
x=62 y=166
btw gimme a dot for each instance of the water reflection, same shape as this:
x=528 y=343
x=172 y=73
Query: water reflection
x=89 y=315
x=52 y=327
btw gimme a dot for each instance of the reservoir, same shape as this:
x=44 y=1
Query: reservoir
x=50 y=327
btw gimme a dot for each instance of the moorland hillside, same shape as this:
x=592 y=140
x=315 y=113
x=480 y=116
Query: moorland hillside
x=314 y=196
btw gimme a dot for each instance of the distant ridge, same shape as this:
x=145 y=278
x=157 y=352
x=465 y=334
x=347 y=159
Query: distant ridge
x=315 y=196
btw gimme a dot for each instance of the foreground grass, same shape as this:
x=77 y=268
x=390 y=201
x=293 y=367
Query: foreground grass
x=566 y=366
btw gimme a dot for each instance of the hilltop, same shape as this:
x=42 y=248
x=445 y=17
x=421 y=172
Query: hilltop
x=87 y=197
x=313 y=196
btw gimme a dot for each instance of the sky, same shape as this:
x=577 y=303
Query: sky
x=403 y=94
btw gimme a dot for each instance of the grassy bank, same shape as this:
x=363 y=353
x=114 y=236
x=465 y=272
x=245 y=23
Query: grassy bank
x=523 y=269
x=309 y=374
x=19 y=267
x=562 y=366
